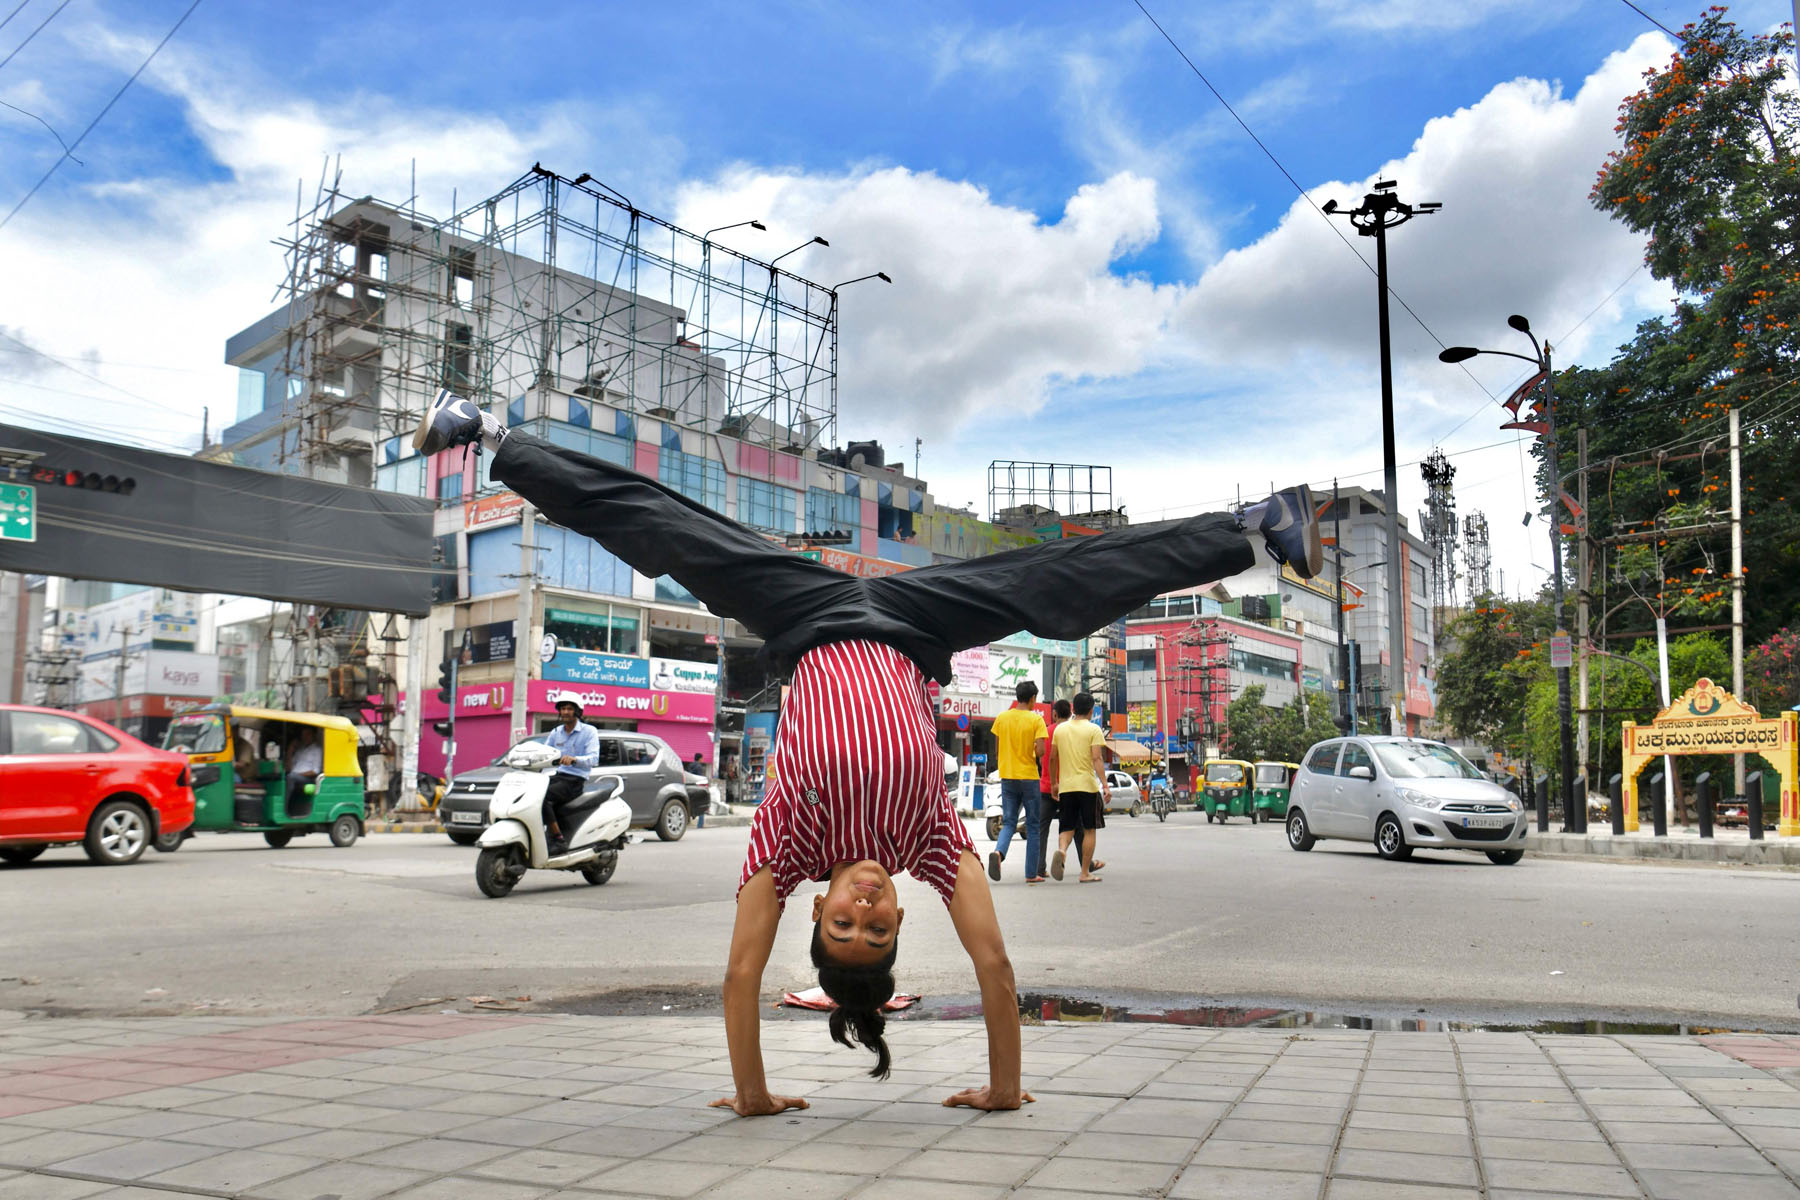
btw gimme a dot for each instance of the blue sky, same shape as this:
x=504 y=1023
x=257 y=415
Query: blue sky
x=1093 y=262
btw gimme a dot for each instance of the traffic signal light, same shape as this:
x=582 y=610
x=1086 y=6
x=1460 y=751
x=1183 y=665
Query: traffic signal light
x=447 y=681
x=443 y=728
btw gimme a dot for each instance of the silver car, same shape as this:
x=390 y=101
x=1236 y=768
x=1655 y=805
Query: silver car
x=1402 y=794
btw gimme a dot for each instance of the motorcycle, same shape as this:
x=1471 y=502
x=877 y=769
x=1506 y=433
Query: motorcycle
x=515 y=840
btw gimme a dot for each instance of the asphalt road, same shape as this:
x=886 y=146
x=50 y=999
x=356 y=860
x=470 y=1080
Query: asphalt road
x=1190 y=913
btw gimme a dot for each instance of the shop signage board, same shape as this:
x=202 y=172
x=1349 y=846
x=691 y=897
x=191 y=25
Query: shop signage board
x=969 y=670
x=632 y=704
x=860 y=565
x=492 y=510
x=1032 y=641
x=679 y=675
x=602 y=670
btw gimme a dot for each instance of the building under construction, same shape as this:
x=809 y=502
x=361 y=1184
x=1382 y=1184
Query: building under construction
x=549 y=285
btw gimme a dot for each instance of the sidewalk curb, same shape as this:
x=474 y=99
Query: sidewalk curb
x=1771 y=852
x=731 y=822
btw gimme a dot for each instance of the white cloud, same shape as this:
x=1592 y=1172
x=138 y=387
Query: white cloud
x=989 y=307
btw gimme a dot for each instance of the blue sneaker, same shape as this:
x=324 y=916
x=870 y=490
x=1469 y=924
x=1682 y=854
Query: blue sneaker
x=1290 y=529
x=448 y=421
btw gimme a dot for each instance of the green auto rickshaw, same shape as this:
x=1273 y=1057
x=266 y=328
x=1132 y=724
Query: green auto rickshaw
x=267 y=771
x=1225 y=788
x=1269 y=790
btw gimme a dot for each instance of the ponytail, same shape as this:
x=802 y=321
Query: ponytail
x=859 y=991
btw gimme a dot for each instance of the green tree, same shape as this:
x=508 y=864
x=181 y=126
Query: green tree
x=1480 y=691
x=1248 y=724
x=1320 y=725
x=1706 y=170
x=1772 y=673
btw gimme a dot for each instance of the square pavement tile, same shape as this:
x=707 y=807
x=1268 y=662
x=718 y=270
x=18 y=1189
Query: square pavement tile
x=1212 y=1183
x=545 y=1168
x=135 y=1160
x=1403 y=1141
x=1129 y=1147
x=798 y=1185
x=818 y=1155
x=928 y=1189
x=234 y=1170
x=1439 y=1169
x=1596 y=1152
x=960 y=1166
x=1731 y=1160
x=42 y=1149
x=1268 y=1156
x=1708 y=1185
x=1581 y=1178
x=1104 y=1176
x=1174 y=1118
x=662 y=1177
x=433 y=1154
x=240 y=1135
x=1369 y=1189
x=513 y=1131
x=457 y=1188
x=49 y=1187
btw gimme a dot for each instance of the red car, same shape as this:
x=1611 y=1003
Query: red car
x=68 y=778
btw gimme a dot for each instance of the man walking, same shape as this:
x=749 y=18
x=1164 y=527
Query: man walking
x=579 y=743
x=1020 y=738
x=1047 y=802
x=1080 y=776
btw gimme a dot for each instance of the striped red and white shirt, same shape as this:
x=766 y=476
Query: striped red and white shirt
x=856 y=773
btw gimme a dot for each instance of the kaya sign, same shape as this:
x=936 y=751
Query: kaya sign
x=1707 y=719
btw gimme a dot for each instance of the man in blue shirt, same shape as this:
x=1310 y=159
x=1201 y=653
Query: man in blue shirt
x=580 y=746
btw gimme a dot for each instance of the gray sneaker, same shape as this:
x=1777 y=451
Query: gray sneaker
x=1290 y=529
x=448 y=421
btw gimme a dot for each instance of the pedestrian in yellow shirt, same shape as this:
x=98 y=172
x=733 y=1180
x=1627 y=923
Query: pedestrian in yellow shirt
x=1020 y=738
x=1079 y=775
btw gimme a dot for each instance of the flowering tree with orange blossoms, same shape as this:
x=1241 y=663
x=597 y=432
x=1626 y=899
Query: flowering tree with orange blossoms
x=1708 y=169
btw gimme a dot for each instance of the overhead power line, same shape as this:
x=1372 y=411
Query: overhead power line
x=69 y=151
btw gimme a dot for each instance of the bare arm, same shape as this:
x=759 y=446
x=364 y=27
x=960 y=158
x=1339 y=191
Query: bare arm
x=1099 y=773
x=972 y=912
x=1041 y=743
x=1055 y=773
x=752 y=937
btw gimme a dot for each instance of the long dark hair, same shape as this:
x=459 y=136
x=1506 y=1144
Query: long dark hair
x=860 y=992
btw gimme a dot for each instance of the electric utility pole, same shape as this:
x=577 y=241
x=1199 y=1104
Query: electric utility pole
x=1380 y=211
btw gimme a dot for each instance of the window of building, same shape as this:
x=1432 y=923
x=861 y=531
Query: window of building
x=450 y=488
x=700 y=479
x=1141 y=660
x=459 y=348
x=1261 y=664
x=834 y=510
x=250 y=393
x=609 y=629
x=763 y=505
x=462 y=278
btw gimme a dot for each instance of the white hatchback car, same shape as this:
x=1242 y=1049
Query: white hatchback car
x=1402 y=794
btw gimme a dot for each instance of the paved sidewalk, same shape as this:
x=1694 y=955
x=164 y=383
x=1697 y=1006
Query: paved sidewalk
x=503 y=1107
x=1686 y=844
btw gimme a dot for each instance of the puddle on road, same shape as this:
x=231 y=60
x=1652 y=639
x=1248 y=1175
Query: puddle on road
x=1036 y=1007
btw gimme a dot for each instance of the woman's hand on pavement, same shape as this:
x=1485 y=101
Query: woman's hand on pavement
x=989 y=1100
x=758 y=1106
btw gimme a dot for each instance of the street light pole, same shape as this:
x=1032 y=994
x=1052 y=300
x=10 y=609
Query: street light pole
x=1574 y=808
x=1380 y=211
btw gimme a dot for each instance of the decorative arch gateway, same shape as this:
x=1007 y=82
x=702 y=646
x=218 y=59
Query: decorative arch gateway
x=1707 y=719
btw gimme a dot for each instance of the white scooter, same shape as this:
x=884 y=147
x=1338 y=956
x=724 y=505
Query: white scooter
x=515 y=840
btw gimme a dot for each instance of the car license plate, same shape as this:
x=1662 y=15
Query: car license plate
x=465 y=818
x=1486 y=822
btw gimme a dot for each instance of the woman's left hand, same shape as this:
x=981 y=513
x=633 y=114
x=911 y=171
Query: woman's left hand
x=989 y=1100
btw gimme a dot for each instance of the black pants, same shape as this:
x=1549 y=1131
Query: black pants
x=562 y=787
x=1063 y=589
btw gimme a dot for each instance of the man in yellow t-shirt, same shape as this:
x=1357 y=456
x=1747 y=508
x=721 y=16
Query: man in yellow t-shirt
x=1079 y=775
x=1020 y=738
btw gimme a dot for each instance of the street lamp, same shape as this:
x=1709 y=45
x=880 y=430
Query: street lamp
x=1380 y=211
x=1574 y=809
x=817 y=241
x=754 y=224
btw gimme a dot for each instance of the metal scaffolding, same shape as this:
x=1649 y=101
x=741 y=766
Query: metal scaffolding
x=1438 y=524
x=550 y=284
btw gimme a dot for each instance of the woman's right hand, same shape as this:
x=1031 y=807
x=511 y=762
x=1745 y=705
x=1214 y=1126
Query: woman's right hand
x=764 y=1105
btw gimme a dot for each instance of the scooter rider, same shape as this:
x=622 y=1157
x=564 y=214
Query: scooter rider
x=580 y=746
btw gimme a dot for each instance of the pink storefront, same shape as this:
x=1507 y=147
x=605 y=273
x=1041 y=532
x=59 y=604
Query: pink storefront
x=484 y=718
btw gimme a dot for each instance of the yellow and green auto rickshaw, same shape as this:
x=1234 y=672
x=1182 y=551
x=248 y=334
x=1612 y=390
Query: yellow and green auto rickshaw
x=1225 y=788
x=1269 y=790
x=267 y=771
